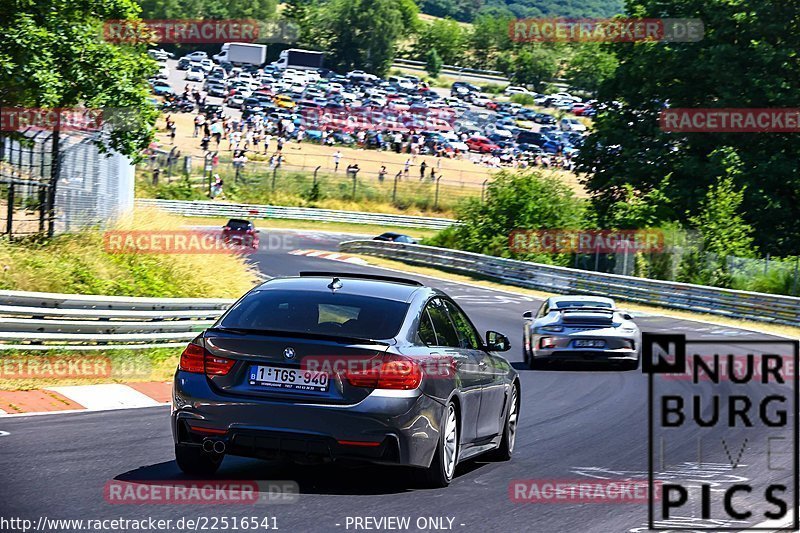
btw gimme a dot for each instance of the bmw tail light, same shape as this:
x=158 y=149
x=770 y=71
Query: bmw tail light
x=218 y=366
x=192 y=359
x=198 y=360
x=394 y=372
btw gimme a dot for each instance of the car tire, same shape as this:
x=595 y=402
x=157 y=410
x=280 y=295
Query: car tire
x=506 y=448
x=440 y=473
x=194 y=461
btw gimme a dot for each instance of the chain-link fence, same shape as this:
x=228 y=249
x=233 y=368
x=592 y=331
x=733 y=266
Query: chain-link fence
x=47 y=189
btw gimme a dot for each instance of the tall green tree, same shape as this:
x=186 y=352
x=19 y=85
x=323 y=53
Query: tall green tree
x=433 y=63
x=363 y=33
x=748 y=58
x=52 y=55
x=590 y=66
x=448 y=37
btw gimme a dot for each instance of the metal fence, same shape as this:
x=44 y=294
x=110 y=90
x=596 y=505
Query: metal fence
x=47 y=190
x=736 y=304
x=47 y=321
x=224 y=209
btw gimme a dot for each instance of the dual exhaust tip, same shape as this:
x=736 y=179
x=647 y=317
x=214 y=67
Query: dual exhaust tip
x=215 y=446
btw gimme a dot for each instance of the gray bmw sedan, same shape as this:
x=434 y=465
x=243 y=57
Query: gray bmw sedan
x=331 y=366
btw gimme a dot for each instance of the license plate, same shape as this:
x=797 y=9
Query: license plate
x=288 y=378
x=590 y=343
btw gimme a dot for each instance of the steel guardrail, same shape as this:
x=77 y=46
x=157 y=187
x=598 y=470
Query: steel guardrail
x=43 y=321
x=204 y=208
x=745 y=305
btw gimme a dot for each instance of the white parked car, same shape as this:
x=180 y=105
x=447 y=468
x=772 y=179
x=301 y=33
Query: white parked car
x=513 y=89
x=196 y=56
x=163 y=73
x=207 y=65
x=235 y=100
x=196 y=74
x=571 y=124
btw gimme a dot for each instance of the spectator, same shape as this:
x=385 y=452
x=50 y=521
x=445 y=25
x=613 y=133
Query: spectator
x=382 y=174
x=267 y=139
x=199 y=122
x=422 y=168
x=406 y=167
x=336 y=158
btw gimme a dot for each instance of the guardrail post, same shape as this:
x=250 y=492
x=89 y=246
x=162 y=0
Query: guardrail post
x=355 y=181
x=483 y=190
x=10 y=214
x=436 y=194
x=274 y=175
x=394 y=188
x=314 y=184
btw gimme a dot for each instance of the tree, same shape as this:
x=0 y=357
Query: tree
x=446 y=36
x=433 y=63
x=534 y=65
x=590 y=66
x=52 y=56
x=628 y=147
x=526 y=200
x=363 y=33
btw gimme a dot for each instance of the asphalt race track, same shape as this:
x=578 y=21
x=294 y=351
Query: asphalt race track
x=575 y=425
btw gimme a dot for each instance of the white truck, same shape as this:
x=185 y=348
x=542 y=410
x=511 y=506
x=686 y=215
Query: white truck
x=242 y=54
x=299 y=59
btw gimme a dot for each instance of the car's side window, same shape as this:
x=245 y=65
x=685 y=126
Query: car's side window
x=467 y=335
x=543 y=310
x=445 y=331
x=426 y=333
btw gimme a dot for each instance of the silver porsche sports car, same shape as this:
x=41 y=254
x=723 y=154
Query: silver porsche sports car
x=581 y=328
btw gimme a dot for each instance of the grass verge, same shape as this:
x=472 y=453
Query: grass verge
x=30 y=370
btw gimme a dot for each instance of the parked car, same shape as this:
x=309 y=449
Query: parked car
x=481 y=144
x=340 y=366
x=511 y=89
x=581 y=328
x=162 y=88
x=544 y=118
x=571 y=124
x=196 y=56
x=195 y=74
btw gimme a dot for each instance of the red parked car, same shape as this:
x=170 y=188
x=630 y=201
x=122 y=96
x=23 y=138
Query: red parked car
x=482 y=145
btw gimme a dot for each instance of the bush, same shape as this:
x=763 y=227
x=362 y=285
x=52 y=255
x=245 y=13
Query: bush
x=522 y=99
x=513 y=201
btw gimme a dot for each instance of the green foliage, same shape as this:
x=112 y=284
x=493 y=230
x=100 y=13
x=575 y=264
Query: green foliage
x=534 y=66
x=447 y=37
x=433 y=63
x=362 y=33
x=590 y=66
x=522 y=99
x=210 y=9
x=52 y=55
x=629 y=147
x=513 y=201
x=466 y=10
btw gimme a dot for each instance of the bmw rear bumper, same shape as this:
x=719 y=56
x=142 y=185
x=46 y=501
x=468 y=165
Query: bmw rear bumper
x=392 y=427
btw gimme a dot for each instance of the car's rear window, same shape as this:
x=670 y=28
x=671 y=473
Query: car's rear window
x=327 y=313
x=238 y=224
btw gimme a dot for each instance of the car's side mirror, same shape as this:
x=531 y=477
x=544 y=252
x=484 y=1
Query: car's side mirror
x=527 y=314
x=497 y=342
x=627 y=316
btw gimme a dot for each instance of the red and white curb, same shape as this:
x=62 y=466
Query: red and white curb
x=335 y=256
x=84 y=398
